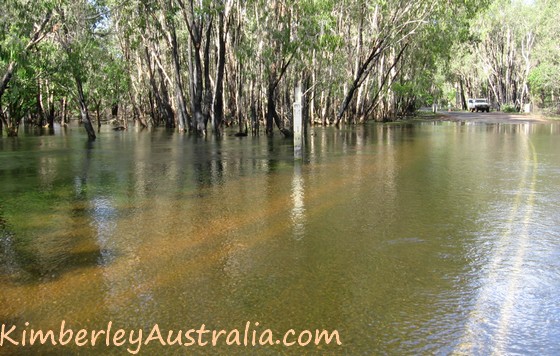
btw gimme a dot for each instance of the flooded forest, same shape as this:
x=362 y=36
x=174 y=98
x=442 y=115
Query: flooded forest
x=201 y=66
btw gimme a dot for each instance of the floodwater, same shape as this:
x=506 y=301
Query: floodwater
x=424 y=238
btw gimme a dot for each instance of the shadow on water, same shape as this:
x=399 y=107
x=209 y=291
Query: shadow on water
x=33 y=130
x=40 y=269
x=25 y=260
x=272 y=161
x=42 y=254
x=207 y=162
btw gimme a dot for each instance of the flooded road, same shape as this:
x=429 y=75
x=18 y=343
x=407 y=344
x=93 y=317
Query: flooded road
x=493 y=117
x=433 y=237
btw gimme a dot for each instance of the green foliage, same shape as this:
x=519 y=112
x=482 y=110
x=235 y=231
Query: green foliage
x=316 y=26
x=508 y=108
x=542 y=76
x=513 y=44
x=20 y=99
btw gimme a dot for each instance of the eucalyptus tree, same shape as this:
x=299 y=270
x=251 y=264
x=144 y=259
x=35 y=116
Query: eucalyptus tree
x=544 y=76
x=78 y=33
x=511 y=53
x=316 y=57
x=140 y=47
x=166 y=21
x=224 y=10
x=275 y=50
x=107 y=86
x=21 y=31
x=386 y=34
x=390 y=23
x=423 y=74
x=285 y=42
x=24 y=24
x=503 y=50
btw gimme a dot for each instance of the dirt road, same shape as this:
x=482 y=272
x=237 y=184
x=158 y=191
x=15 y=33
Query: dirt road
x=490 y=117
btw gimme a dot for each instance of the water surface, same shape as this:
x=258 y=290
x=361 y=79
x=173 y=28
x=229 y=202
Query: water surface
x=408 y=239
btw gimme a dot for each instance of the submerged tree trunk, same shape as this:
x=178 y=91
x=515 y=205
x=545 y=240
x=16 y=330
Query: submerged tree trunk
x=167 y=24
x=270 y=106
x=63 y=111
x=84 y=109
x=166 y=102
x=219 y=92
x=40 y=107
x=153 y=94
x=198 y=93
x=97 y=104
x=361 y=73
x=207 y=103
x=200 y=96
x=271 y=114
x=50 y=103
x=114 y=111
x=181 y=105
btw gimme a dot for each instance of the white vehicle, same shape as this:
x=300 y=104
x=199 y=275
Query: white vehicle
x=478 y=105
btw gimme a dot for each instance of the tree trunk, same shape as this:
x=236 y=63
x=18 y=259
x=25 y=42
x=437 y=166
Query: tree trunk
x=7 y=77
x=463 y=99
x=218 y=94
x=40 y=107
x=362 y=71
x=270 y=106
x=312 y=87
x=50 y=103
x=181 y=105
x=306 y=103
x=64 y=111
x=115 y=111
x=239 y=100
x=98 y=114
x=169 y=114
x=207 y=97
x=84 y=109
x=201 y=97
x=271 y=114
x=255 y=124
x=192 y=81
x=198 y=89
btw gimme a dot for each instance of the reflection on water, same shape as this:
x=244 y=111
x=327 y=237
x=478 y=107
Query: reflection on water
x=407 y=239
x=298 y=195
x=103 y=216
x=504 y=272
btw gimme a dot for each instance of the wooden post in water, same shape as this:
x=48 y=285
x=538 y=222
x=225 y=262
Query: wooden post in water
x=298 y=124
